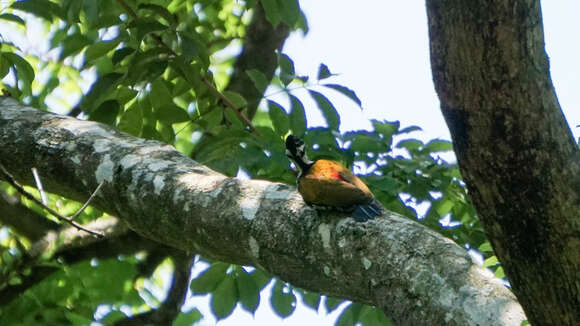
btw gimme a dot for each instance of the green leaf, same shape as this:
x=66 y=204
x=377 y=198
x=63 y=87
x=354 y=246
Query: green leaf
x=259 y=79
x=212 y=118
x=311 y=299
x=99 y=49
x=113 y=317
x=368 y=143
x=160 y=95
x=125 y=94
x=149 y=131
x=13 y=18
x=236 y=98
x=159 y=10
x=385 y=128
x=207 y=281
x=373 y=316
x=41 y=8
x=24 y=69
x=166 y=131
x=171 y=113
x=132 y=120
x=188 y=318
x=297 y=116
x=287 y=72
x=121 y=53
x=349 y=316
x=248 y=291
x=224 y=298
x=91 y=11
x=443 y=206
x=411 y=144
x=233 y=118
x=190 y=48
x=485 y=247
x=72 y=45
x=147 y=25
x=283 y=300
x=100 y=90
x=106 y=112
x=189 y=72
x=290 y=11
x=273 y=14
x=323 y=72
x=261 y=278
x=409 y=130
x=491 y=261
x=499 y=273
x=328 y=111
x=4 y=66
x=279 y=118
x=438 y=145
x=77 y=319
x=346 y=92
x=332 y=303
x=251 y=3
x=147 y=66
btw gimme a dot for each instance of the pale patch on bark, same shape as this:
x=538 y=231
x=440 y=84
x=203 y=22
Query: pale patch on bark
x=101 y=145
x=105 y=170
x=78 y=127
x=324 y=231
x=366 y=263
x=158 y=183
x=130 y=160
x=250 y=206
x=254 y=247
x=278 y=191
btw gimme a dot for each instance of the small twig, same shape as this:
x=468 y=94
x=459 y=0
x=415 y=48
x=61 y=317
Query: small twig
x=39 y=186
x=87 y=202
x=10 y=179
x=204 y=80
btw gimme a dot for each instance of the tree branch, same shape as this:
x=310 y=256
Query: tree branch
x=260 y=45
x=391 y=262
x=169 y=310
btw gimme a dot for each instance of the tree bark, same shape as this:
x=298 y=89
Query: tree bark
x=259 y=52
x=514 y=148
x=416 y=276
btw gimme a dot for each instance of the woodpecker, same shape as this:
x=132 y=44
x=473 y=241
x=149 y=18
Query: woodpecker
x=329 y=185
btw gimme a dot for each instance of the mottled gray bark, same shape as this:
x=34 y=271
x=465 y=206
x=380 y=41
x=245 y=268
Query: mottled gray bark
x=515 y=150
x=415 y=275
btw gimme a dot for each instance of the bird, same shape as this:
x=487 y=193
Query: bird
x=328 y=184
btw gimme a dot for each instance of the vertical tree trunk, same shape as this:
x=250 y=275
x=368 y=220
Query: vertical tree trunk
x=515 y=150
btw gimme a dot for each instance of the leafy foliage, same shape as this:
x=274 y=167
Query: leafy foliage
x=155 y=73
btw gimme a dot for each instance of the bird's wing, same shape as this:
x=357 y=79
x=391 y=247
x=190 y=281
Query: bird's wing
x=347 y=176
x=332 y=192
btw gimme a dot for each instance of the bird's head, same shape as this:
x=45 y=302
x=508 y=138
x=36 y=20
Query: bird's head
x=296 y=152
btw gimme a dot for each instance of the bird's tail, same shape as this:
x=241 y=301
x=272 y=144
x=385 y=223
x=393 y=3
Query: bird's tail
x=367 y=212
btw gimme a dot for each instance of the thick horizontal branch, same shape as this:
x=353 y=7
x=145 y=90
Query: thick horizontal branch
x=415 y=275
